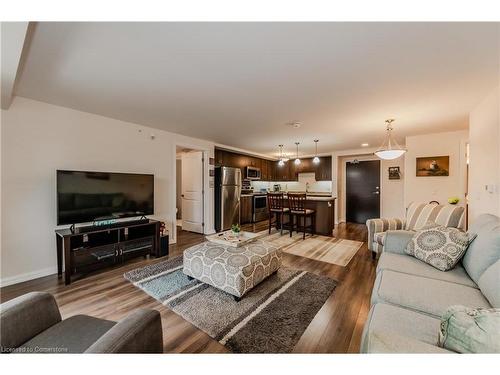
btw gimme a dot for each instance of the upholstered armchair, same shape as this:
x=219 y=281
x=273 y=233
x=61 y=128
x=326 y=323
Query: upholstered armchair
x=417 y=215
x=32 y=324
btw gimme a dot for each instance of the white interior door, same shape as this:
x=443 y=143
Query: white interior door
x=192 y=191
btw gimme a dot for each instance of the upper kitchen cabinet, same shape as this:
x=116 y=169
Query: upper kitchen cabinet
x=323 y=170
x=230 y=159
x=219 y=157
x=282 y=172
x=265 y=170
x=305 y=166
x=254 y=162
x=271 y=171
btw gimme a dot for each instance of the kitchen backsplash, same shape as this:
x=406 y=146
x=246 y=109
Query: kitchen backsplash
x=317 y=186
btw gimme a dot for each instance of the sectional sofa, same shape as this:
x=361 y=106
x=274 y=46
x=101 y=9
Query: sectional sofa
x=409 y=296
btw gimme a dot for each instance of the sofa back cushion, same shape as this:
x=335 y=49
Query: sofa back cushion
x=484 y=251
x=418 y=214
x=489 y=283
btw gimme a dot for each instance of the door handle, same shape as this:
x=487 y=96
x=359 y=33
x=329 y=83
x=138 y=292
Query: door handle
x=375 y=192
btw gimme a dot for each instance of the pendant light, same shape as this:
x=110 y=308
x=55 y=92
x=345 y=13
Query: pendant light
x=316 y=159
x=390 y=149
x=281 y=162
x=297 y=160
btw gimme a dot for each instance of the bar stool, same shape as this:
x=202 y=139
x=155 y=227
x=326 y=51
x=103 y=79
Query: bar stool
x=276 y=207
x=298 y=210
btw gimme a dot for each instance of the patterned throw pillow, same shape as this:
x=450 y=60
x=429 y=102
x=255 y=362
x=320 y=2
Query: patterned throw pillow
x=438 y=246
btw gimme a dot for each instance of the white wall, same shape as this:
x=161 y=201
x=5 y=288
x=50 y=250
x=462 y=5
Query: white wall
x=485 y=156
x=37 y=139
x=425 y=189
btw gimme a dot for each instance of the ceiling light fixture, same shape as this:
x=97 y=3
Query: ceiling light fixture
x=294 y=124
x=281 y=161
x=364 y=145
x=390 y=149
x=316 y=159
x=297 y=160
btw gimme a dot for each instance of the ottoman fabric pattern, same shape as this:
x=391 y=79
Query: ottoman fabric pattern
x=234 y=270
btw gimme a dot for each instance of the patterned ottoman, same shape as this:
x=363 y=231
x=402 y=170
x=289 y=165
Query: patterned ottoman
x=234 y=270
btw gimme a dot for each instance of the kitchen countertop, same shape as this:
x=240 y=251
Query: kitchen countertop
x=313 y=197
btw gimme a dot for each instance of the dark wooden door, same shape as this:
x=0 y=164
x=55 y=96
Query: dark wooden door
x=362 y=191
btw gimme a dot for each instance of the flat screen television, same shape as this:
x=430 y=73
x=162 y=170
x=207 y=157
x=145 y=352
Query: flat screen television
x=84 y=196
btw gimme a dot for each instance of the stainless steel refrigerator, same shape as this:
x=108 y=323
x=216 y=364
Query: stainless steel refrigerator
x=227 y=197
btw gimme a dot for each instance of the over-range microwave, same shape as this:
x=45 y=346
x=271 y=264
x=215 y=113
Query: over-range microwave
x=252 y=173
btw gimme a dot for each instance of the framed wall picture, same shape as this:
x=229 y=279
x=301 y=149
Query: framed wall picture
x=433 y=166
x=394 y=173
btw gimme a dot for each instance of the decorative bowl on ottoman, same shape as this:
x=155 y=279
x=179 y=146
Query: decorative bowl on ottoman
x=235 y=270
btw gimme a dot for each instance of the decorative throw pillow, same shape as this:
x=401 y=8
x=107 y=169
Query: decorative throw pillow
x=439 y=246
x=468 y=330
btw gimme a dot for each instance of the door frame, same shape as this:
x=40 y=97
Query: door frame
x=343 y=214
x=207 y=189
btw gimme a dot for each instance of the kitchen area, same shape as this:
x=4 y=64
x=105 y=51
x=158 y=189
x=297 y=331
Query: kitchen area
x=243 y=181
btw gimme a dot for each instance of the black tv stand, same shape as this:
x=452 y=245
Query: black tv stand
x=88 y=248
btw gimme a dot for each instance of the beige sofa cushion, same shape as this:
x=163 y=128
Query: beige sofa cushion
x=413 y=266
x=392 y=329
x=484 y=251
x=490 y=284
x=388 y=342
x=423 y=294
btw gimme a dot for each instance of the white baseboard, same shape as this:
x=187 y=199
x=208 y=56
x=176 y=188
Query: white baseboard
x=6 y=281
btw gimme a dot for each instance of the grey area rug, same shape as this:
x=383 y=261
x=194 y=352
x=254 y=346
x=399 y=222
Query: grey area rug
x=269 y=319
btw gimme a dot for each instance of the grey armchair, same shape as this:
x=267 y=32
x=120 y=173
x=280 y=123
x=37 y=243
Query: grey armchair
x=32 y=324
x=417 y=215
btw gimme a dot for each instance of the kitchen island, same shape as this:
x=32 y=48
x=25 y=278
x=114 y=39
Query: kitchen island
x=325 y=212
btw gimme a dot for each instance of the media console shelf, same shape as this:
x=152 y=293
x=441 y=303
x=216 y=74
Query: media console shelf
x=86 y=249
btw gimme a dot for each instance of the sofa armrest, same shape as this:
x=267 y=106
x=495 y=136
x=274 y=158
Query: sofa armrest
x=381 y=225
x=24 y=317
x=397 y=240
x=139 y=332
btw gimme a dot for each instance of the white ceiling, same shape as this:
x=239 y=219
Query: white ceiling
x=239 y=83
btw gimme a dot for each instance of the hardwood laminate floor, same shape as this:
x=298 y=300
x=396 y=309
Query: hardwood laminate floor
x=336 y=328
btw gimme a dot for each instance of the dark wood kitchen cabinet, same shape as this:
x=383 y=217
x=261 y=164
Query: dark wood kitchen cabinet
x=219 y=157
x=324 y=169
x=267 y=170
x=271 y=171
x=246 y=209
x=255 y=162
x=283 y=172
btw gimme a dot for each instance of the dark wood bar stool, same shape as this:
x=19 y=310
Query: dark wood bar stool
x=276 y=207
x=298 y=211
